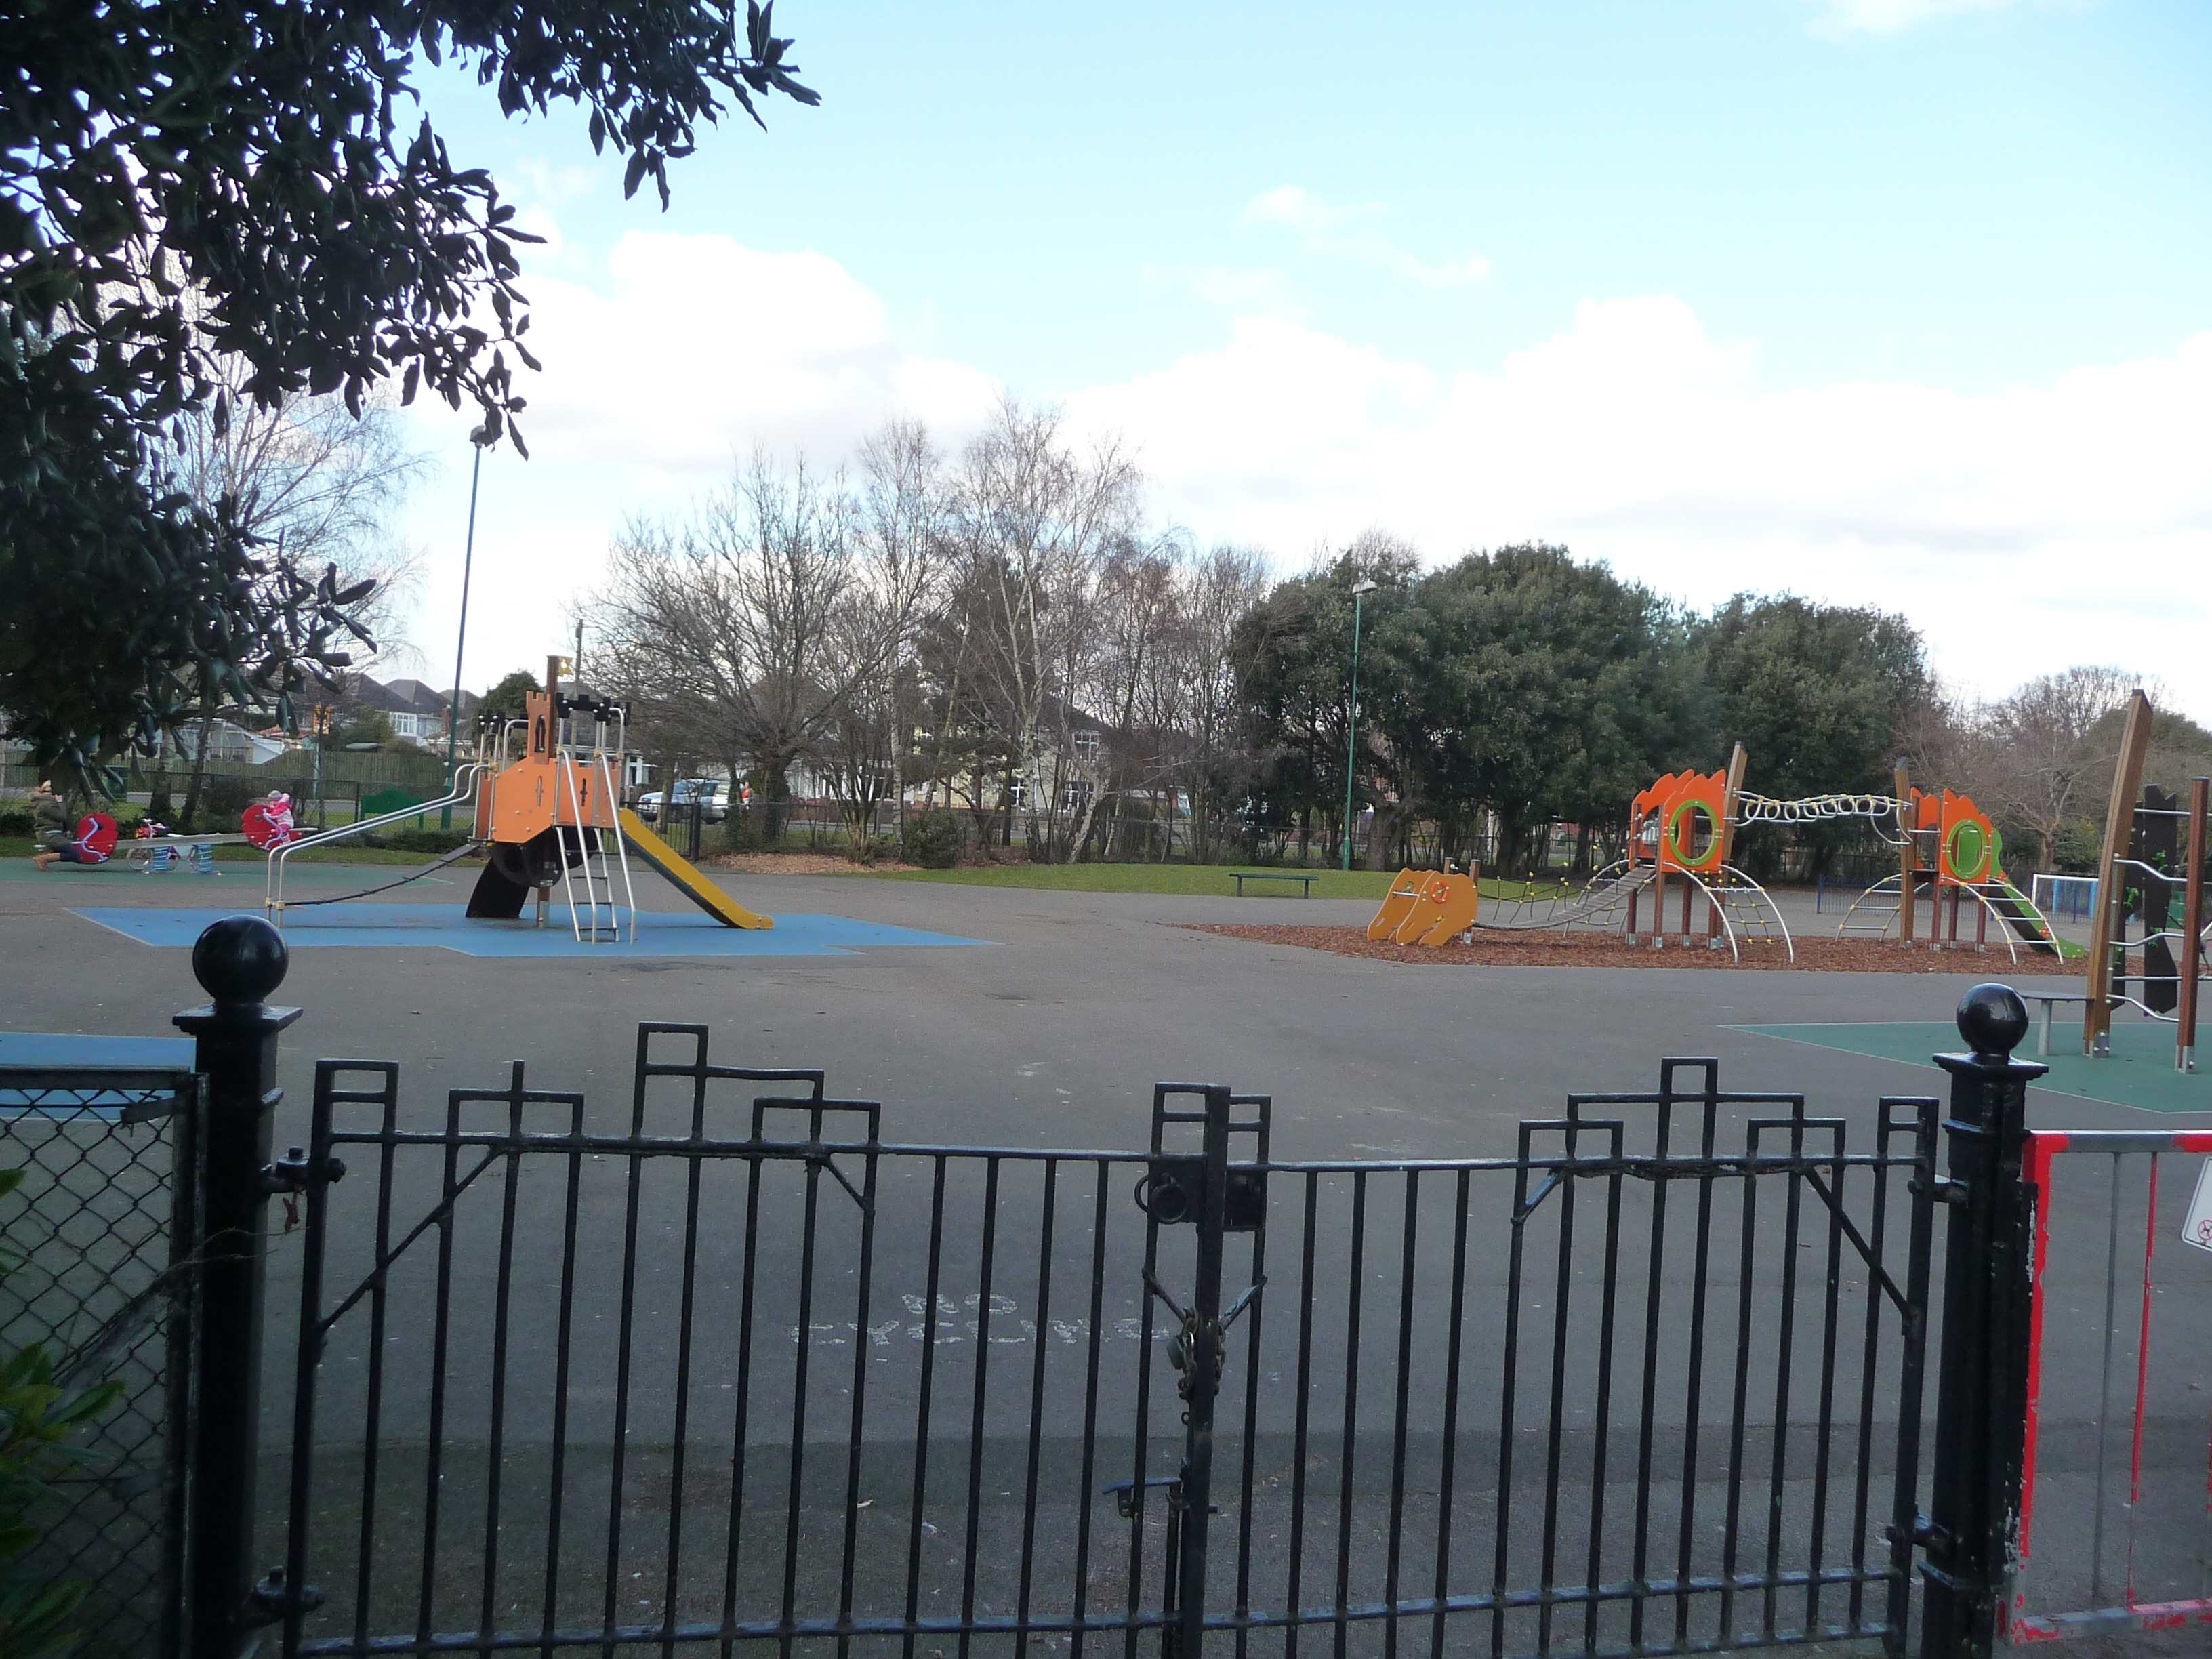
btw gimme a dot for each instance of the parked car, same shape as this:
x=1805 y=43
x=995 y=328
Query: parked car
x=713 y=795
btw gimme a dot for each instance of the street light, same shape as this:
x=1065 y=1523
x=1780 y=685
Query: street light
x=1360 y=590
x=461 y=642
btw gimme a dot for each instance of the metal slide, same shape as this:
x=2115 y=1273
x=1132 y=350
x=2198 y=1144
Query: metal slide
x=679 y=871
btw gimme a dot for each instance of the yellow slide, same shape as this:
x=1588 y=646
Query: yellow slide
x=678 y=869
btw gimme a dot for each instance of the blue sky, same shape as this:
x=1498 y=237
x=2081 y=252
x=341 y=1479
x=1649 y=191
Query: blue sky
x=1854 y=297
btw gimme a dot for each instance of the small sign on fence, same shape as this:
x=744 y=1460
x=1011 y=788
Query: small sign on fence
x=2196 y=1225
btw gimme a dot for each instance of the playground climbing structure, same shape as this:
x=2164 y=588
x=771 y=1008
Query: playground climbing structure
x=1678 y=882
x=2146 y=863
x=1949 y=854
x=547 y=813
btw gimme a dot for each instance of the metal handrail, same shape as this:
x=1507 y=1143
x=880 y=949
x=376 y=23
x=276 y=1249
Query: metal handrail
x=272 y=899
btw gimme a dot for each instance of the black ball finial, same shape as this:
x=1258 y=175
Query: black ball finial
x=1994 y=1021
x=238 y=961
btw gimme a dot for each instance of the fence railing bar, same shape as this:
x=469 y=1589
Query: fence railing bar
x=1300 y=1424
x=933 y=1287
x=1355 y=1304
x=435 y=1461
x=1048 y=1624
x=1831 y=1317
x=1786 y=1319
x=502 y=1302
x=1254 y=1315
x=687 y=1302
x=987 y=1252
x=1092 y=1354
x=863 y=1338
x=1035 y=1449
x=1454 y=1328
x=1509 y=1382
x=1407 y=1246
x=802 y=1370
x=557 y=1482
x=1601 y=1409
x=1738 y=1409
x=742 y=1400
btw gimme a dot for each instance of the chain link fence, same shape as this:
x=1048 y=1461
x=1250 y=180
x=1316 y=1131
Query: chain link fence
x=99 y=1276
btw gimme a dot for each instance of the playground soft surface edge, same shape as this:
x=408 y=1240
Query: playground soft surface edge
x=2140 y=1072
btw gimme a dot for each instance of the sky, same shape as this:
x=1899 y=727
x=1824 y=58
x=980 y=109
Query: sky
x=1890 y=302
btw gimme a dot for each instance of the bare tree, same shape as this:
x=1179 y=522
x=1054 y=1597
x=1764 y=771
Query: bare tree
x=901 y=560
x=1032 y=526
x=2039 y=767
x=317 y=484
x=1220 y=589
x=731 y=633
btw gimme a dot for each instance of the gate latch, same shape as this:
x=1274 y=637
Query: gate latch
x=1173 y=1189
x=292 y=1172
x=269 y=1602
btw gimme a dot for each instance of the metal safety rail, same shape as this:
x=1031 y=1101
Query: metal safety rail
x=2115 y=1529
x=463 y=791
x=2176 y=941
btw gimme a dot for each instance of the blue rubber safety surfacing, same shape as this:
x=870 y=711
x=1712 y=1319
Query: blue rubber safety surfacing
x=446 y=927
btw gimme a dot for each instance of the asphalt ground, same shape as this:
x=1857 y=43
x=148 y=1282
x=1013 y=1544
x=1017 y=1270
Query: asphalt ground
x=1053 y=1036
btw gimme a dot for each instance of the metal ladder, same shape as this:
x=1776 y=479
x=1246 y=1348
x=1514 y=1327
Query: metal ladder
x=602 y=862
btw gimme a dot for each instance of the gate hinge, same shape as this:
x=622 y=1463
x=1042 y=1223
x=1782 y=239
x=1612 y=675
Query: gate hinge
x=270 y=1600
x=292 y=1172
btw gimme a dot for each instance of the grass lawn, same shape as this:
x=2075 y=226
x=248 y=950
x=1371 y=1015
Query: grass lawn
x=1213 y=878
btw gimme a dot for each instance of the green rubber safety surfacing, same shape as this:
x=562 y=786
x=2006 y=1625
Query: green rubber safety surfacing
x=2140 y=1072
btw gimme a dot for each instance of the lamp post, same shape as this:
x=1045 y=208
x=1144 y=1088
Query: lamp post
x=1360 y=590
x=460 y=642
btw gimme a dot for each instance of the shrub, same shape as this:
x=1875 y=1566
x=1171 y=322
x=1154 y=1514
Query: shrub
x=933 y=839
x=159 y=806
x=15 y=821
x=740 y=833
x=223 y=801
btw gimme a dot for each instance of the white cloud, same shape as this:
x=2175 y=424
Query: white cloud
x=2021 y=530
x=1350 y=233
x=664 y=366
x=1888 y=17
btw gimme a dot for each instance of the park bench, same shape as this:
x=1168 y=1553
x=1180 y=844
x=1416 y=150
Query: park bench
x=1243 y=876
x=2048 y=998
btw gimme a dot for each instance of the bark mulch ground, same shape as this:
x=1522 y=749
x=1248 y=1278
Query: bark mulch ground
x=796 y=864
x=1816 y=954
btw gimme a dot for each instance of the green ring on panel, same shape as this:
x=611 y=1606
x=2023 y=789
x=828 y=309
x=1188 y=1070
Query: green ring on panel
x=1674 y=847
x=1967 y=851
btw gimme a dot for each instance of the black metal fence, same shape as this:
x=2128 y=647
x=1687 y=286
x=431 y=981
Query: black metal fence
x=732 y=1369
x=100 y=1241
x=721 y=1368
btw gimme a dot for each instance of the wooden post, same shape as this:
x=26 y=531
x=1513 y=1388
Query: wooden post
x=2105 y=928
x=1737 y=760
x=1908 y=859
x=2192 y=928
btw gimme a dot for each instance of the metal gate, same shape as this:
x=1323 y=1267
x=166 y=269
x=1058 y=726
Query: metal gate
x=726 y=1369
